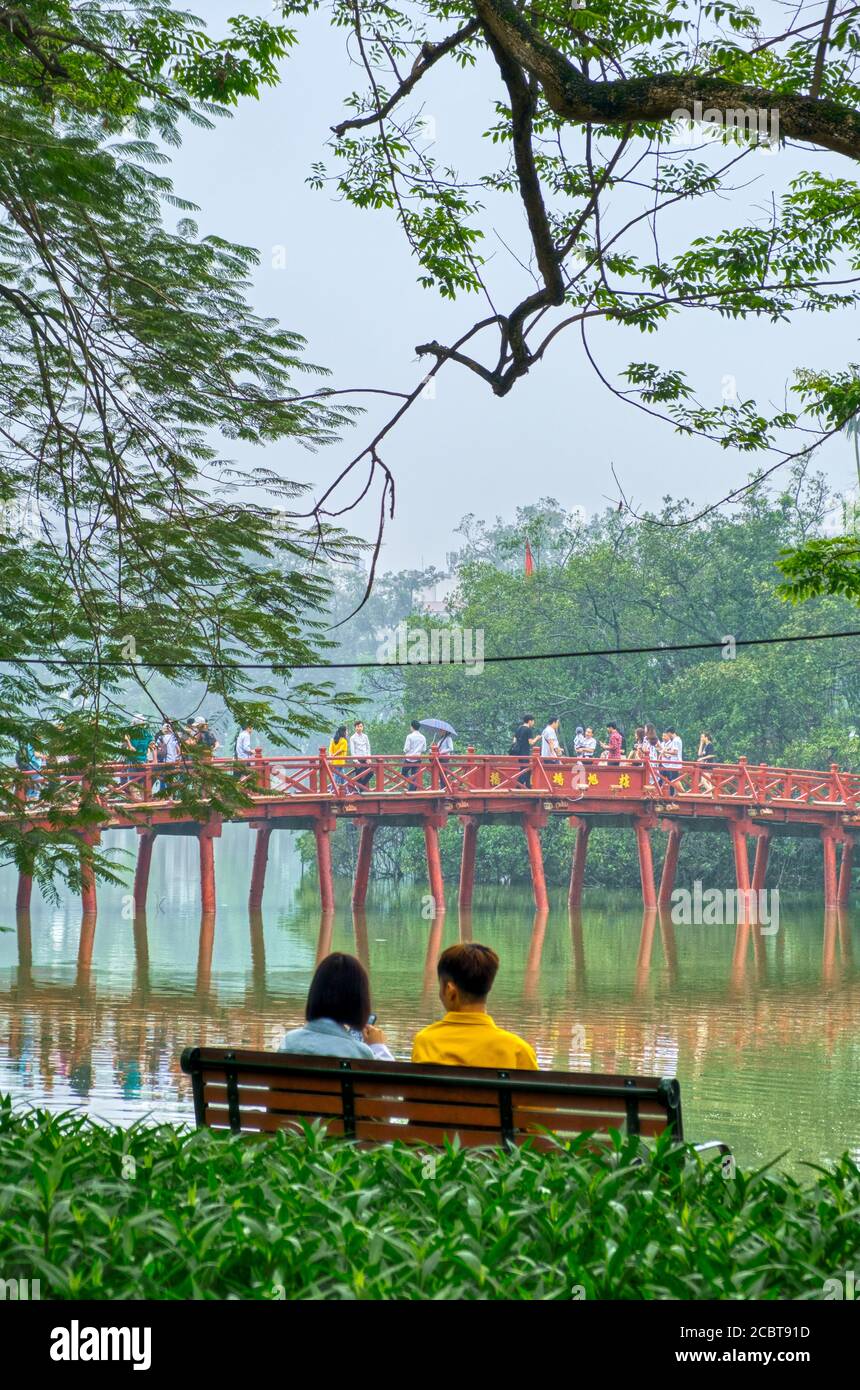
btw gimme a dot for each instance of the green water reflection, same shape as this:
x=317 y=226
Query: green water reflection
x=762 y=1032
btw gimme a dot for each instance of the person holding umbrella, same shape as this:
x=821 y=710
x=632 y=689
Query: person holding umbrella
x=443 y=741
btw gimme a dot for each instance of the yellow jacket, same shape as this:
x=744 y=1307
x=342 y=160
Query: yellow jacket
x=472 y=1040
x=338 y=751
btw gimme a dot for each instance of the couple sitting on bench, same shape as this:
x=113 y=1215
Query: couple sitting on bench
x=339 y=1016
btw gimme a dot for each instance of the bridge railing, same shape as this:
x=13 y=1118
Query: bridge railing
x=459 y=775
x=755 y=783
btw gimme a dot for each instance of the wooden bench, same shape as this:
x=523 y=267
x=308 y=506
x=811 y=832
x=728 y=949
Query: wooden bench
x=376 y=1102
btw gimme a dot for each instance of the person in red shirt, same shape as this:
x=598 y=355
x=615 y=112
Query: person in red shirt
x=615 y=745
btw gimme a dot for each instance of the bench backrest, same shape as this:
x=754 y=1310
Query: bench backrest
x=375 y=1102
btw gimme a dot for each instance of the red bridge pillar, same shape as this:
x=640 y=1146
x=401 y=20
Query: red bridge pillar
x=670 y=866
x=762 y=851
x=467 y=861
x=207 y=870
x=145 y=842
x=322 y=835
x=646 y=862
x=536 y=865
x=580 y=854
x=844 y=890
x=737 y=830
x=258 y=871
x=831 y=892
x=434 y=865
x=365 y=857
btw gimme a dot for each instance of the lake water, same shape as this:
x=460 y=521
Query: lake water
x=763 y=1032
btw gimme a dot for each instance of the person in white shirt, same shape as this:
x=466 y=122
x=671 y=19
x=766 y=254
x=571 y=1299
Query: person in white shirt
x=589 y=744
x=415 y=745
x=671 y=757
x=549 y=744
x=359 y=749
x=243 y=743
x=170 y=744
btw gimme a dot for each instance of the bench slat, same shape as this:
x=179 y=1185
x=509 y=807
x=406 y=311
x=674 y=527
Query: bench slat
x=561 y=1122
x=324 y=1084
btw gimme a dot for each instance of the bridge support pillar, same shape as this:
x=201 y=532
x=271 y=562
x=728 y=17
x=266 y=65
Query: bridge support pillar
x=762 y=851
x=742 y=868
x=536 y=865
x=646 y=864
x=580 y=854
x=434 y=866
x=670 y=866
x=322 y=835
x=207 y=871
x=467 y=862
x=362 y=868
x=831 y=892
x=843 y=892
x=145 y=842
x=258 y=870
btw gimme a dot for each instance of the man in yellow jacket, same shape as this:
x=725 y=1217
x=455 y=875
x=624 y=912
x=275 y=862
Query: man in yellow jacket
x=467 y=1035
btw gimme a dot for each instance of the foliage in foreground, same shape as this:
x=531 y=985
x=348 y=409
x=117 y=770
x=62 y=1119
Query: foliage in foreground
x=98 y=1212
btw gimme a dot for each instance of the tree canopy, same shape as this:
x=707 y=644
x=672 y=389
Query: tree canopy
x=131 y=545
x=575 y=115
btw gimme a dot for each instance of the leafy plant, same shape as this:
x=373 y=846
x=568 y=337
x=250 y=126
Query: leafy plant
x=154 y=1212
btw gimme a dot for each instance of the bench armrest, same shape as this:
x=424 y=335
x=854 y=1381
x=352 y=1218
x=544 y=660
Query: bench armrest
x=712 y=1144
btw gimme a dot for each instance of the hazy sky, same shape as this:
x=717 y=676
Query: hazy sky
x=345 y=280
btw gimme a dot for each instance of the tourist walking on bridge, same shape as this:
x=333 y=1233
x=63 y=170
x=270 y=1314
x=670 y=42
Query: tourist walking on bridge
x=550 y=748
x=615 y=747
x=524 y=740
x=706 y=754
x=671 y=757
x=337 y=751
x=359 y=751
x=414 y=747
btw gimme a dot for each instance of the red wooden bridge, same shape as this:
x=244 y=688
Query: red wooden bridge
x=314 y=793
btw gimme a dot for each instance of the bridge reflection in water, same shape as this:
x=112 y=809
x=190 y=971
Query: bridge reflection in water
x=751 y=1009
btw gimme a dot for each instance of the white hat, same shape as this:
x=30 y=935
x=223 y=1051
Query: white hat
x=199 y=720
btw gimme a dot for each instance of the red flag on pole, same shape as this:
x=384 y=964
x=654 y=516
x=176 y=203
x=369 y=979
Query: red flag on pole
x=530 y=564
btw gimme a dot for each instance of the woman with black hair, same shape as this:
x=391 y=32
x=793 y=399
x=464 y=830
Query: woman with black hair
x=338 y=1014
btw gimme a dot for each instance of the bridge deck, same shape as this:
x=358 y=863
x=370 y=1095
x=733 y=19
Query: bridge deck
x=314 y=793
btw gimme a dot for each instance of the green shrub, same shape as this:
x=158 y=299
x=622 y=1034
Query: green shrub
x=155 y=1212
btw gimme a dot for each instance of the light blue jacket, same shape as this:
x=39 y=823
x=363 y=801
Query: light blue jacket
x=325 y=1038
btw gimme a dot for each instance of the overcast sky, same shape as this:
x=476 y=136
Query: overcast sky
x=345 y=280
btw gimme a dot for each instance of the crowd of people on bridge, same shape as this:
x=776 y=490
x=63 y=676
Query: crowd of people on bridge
x=339 y=1021
x=350 y=756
